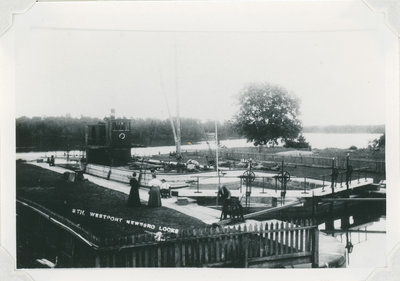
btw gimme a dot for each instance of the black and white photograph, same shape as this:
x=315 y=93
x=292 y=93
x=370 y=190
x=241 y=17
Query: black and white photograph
x=221 y=135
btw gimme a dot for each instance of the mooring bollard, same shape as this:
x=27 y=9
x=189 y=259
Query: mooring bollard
x=198 y=185
x=263 y=183
x=305 y=186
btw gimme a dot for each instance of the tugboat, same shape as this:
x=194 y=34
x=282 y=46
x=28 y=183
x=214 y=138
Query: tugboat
x=109 y=142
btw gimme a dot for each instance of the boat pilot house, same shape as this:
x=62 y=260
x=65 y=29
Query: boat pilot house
x=109 y=142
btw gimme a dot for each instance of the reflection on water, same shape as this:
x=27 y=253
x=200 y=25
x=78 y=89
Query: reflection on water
x=362 y=233
x=316 y=140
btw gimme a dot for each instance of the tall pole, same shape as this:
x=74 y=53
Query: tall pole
x=332 y=176
x=347 y=171
x=216 y=158
x=178 y=121
x=169 y=112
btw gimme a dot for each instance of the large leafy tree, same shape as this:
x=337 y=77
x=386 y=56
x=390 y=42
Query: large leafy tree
x=267 y=114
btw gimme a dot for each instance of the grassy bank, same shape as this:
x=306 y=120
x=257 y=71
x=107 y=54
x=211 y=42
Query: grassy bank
x=52 y=191
x=364 y=153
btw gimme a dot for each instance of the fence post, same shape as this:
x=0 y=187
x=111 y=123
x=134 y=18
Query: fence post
x=263 y=184
x=246 y=250
x=198 y=185
x=305 y=186
x=97 y=261
x=315 y=248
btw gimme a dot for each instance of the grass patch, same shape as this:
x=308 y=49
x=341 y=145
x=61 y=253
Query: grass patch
x=50 y=190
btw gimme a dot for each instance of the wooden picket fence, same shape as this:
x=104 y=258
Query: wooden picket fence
x=272 y=244
x=259 y=245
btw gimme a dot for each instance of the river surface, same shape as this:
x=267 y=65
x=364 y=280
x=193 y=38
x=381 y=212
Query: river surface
x=368 y=243
x=316 y=140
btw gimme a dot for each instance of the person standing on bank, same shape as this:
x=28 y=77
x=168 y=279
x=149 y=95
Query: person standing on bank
x=134 y=198
x=225 y=196
x=154 y=193
x=165 y=189
x=52 y=160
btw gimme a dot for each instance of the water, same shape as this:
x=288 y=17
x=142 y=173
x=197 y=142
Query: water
x=321 y=141
x=369 y=249
x=316 y=140
x=366 y=233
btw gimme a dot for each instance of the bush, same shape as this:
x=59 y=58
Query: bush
x=300 y=142
x=353 y=147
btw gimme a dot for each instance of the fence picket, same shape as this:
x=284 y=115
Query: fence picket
x=200 y=260
x=307 y=236
x=213 y=245
x=165 y=251
x=271 y=239
x=176 y=253
x=159 y=257
x=297 y=237
x=189 y=249
x=228 y=244
x=276 y=240
x=233 y=244
x=183 y=249
x=265 y=238
x=206 y=245
x=237 y=243
x=217 y=245
x=286 y=247
x=292 y=226
x=281 y=239
x=146 y=256
x=195 y=248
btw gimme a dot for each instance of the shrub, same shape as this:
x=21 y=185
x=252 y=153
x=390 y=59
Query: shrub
x=300 y=142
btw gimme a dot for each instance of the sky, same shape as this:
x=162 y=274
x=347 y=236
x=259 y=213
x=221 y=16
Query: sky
x=142 y=58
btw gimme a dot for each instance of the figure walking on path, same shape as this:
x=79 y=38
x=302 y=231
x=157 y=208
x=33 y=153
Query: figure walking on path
x=134 y=199
x=154 y=193
x=225 y=196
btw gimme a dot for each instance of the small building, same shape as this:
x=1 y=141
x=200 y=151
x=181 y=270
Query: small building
x=109 y=142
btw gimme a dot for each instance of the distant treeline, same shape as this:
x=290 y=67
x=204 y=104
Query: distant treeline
x=153 y=132
x=66 y=133
x=51 y=133
x=346 y=129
